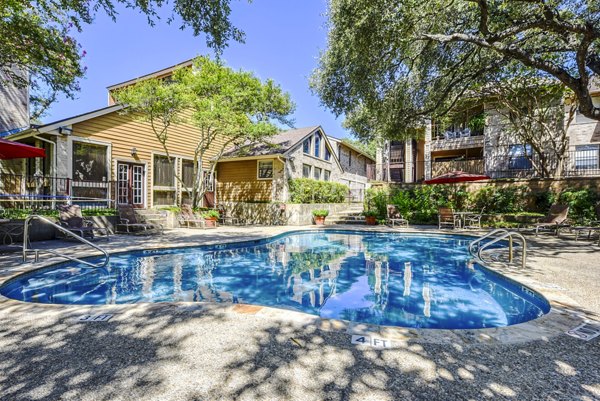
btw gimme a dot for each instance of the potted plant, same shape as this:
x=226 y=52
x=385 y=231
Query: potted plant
x=319 y=216
x=211 y=217
x=370 y=217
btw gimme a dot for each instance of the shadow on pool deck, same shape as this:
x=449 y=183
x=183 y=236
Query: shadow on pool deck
x=191 y=352
x=203 y=351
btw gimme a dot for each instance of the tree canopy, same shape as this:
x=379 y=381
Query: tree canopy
x=37 y=36
x=227 y=107
x=390 y=64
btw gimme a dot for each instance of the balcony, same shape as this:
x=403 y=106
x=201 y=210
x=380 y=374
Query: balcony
x=476 y=166
x=475 y=141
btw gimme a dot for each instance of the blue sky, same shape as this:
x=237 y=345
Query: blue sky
x=283 y=40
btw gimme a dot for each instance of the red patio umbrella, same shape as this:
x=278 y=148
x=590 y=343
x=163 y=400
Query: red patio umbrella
x=16 y=150
x=456 y=176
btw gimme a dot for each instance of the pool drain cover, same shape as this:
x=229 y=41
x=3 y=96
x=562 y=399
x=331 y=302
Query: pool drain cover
x=585 y=331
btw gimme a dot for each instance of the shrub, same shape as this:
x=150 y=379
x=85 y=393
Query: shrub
x=370 y=213
x=376 y=201
x=581 y=203
x=500 y=199
x=306 y=190
x=320 y=213
x=543 y=200
x=211 y=214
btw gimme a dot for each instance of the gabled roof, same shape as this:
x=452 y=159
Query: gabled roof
x=279 y=144
x=68 y=121
x=156 y=74
x=350 y=146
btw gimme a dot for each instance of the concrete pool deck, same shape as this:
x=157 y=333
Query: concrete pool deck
x=193 y=351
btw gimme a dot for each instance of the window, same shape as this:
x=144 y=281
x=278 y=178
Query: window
x=164 y=181
x=90 y=162
x=187 y=173
x=318 y=145
x=326 y=175
x=327 y=154
x=518 y=157
x=306 y=170
x=265 y=169
x=306 y=146
x=317 y=173
x=349 y=158
x=587 y=157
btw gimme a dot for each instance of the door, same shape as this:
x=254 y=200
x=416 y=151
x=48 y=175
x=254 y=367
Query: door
x=131 y=184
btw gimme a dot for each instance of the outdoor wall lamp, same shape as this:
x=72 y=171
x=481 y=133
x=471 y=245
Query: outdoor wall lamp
x=134 y=152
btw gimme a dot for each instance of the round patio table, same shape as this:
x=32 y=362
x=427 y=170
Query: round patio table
x=462 y=216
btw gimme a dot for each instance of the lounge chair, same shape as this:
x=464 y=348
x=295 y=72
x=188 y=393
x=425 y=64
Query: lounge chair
x=135 y=224
x=555 y=220
x=593 y=226
x=189 y=219
x=447 y=218
x=70 y=217
x=394 y=217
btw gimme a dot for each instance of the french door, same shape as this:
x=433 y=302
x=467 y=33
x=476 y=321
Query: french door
x=131 y=184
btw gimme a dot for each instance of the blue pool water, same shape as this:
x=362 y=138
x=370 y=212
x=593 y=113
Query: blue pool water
x=381 y=278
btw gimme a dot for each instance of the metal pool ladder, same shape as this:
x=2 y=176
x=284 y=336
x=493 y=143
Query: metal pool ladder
x=476 y=249
x=27 y=249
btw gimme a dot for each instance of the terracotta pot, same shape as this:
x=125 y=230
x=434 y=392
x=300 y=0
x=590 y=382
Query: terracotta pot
x=210 y=221
x=320 y=220
x=371 y=220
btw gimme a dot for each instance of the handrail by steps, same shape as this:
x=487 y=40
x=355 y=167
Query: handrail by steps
x=505 y=234
x=27 y=249
x=479 y=239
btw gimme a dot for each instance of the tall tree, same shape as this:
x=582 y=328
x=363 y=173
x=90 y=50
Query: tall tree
x=395 y=62
x=37 y=37
x=537 y=114
x=227 y=108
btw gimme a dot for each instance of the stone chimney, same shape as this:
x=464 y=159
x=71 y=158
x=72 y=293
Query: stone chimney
x=14 y=106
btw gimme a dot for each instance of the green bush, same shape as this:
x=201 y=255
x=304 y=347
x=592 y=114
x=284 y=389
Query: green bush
x=376 y=201
x=500 y=199
x=20 y=214
x=306 y=190
x=320 y=213
x=543 y=200
x=581 y=203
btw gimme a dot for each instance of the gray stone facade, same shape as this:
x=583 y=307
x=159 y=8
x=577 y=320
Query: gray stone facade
x=14 y=106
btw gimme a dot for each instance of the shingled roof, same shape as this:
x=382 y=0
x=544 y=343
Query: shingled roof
x=276 y=145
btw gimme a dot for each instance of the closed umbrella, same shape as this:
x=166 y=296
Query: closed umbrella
x=16 y=150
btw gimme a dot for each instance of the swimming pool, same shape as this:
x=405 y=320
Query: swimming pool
x=409 y=280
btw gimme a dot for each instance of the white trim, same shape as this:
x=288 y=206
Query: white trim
x=258 y=170
x=108 y=145
x=80 y=118
x=241 y=158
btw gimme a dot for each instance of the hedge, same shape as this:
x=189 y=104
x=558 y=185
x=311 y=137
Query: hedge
x=306 y=190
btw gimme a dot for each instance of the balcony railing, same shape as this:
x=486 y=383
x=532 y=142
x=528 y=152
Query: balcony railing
x=45 y=192
x=573 y=164
x=466 y=142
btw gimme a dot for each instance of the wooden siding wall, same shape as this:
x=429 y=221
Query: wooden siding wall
x=125 y=132
x=237 y=182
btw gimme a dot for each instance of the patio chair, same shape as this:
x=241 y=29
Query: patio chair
x=189 y=219
x=473 y=220
x=70 y=217
x=135 y=224
x=555 y=220
x=226 y=219
x=394 y=217
x=447 y=218
x=465 y=133
x=593 y=226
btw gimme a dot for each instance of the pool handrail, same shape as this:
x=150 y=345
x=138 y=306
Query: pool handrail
x=27 y=249
x=505 y=235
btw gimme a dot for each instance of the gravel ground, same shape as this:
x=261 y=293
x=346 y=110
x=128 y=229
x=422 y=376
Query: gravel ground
x=210 y=352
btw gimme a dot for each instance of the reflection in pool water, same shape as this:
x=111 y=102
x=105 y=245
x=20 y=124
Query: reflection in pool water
x=388 y=279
